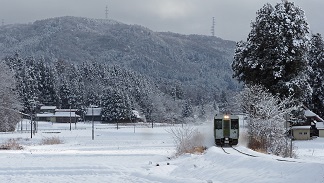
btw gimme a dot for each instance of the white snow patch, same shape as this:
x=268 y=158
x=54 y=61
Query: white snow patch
x=132 y=155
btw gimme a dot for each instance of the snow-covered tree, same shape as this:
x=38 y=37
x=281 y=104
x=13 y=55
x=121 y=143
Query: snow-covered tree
x=9 y=102
x=35 y=80
x=187 y=110
x=275 y=53
x=316 y=60
x=115 y=105
x=266 y=125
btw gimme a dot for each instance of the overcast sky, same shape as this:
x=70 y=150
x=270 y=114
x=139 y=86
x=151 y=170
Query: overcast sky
x=232 y=17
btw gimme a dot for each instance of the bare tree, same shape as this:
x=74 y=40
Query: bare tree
x=187 y=139
x=266 y=126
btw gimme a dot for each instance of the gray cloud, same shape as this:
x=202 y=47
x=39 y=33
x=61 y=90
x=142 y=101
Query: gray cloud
x=232 y=17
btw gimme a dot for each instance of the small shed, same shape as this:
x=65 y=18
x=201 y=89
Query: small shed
x=301 y=132
x=320 y=127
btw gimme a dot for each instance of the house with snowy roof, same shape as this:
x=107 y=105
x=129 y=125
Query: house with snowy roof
x=308 y=128
x=59 y=115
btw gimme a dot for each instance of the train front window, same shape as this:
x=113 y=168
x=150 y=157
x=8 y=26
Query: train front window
x=218 y=124
x=234 y=124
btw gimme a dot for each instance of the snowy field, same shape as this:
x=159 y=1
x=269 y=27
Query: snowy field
x=128 y=155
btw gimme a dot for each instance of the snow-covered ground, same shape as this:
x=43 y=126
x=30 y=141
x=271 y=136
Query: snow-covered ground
x=128 y=155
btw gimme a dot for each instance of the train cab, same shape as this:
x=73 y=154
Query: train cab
x=226 y=129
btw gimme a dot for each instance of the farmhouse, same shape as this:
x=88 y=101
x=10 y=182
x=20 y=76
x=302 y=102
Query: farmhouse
x=309 y=127
x=51 y=114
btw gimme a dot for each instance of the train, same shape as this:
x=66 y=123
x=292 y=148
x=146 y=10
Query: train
x=226 y=129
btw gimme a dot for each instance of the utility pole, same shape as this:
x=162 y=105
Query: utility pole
x=92 y=123
x=70 y=117
x=213 y=27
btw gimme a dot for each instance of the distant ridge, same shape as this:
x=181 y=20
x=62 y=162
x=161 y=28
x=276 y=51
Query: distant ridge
x=199 y=61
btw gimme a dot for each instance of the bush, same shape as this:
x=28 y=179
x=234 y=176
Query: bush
x=187 y=140
x=11 y=144
x=51 y=141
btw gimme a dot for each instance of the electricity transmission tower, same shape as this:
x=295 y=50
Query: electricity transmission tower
x=213 y=27
x=106 y=12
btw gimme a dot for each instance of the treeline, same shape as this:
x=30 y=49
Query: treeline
x=113 y=88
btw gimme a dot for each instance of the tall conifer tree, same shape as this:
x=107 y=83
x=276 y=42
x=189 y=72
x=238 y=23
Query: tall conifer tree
x=275 y=53
x=316 y=60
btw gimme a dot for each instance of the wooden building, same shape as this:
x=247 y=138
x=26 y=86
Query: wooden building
x=320 y=128
x=308 y=128
x=301 y=132
x=59 y=116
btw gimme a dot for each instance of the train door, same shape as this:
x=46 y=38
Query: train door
x=226 y=126
x=218 y=127
x=234 y=128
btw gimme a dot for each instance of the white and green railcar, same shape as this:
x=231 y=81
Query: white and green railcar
x=226 y=129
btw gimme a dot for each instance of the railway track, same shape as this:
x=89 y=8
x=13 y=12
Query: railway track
x=232 y=150
x=224 y=150
x=236 y=150
x=243 y=152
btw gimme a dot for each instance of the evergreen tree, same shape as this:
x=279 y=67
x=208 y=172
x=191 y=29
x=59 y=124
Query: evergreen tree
x=46 y=85
x=115 y=105
x=9 y=102
x=275 y=53
x=34 y=79
x=316 y=60
x=187 y=110
x=65 y=95
x=202 y=111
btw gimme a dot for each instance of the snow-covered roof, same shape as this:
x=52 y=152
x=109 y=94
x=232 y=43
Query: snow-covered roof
x=320 y=125
x=45 y=115
x=136 y=114
x=309 y=113
x=47 y=107
x=65 y=114
x=301 y=127
x=93 y=111
x=58 y=114
x=66 y=110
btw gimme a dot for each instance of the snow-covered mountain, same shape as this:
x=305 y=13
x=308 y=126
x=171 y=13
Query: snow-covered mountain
x=195 y=61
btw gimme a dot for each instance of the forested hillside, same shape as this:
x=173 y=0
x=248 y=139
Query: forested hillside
x=182 y=69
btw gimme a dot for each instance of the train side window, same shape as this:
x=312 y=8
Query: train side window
x=234 y=124
x=218 y=124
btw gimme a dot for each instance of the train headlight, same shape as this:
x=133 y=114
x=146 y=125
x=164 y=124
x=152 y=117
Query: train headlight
x=226 y=116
